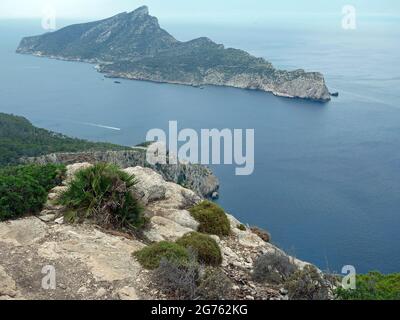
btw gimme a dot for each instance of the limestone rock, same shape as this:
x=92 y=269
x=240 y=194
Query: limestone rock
x=181 y=217
x=101 y=292
x=234 y=222
x=162 y=229
x=21 y=233
x=248 y=239
x=59 y=189
x=150 y=185
x=8 y=289
x=93 y=256
x=59 y=220
x=127 y=293
x=48 y=217
x=74 y=168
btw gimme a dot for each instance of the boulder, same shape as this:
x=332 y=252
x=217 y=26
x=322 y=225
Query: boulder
x=163 y=229
x=8 y=289
x=127 y=293
x=150 y=185
x=72 y=169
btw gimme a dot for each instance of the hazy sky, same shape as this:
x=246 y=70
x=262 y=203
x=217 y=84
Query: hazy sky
x=193 y=9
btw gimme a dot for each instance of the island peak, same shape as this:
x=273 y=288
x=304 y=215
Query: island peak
x=143 y=10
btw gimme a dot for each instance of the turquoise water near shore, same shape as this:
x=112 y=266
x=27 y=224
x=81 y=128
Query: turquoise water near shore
x=327 y=178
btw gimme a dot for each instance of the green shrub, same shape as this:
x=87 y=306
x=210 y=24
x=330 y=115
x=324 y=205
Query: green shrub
x=48 y=176
x=212 y=218
x=373 y=286
x=151 y=256
x=242 y=227
x=215 y=285
x=308 y=284
x=103 y=193
x=24 y=189
x=206 y=248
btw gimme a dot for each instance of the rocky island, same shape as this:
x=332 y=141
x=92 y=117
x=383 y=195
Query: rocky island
x=134 y=46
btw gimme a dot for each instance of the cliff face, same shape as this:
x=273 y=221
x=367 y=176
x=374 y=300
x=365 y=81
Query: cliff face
x=283 y=84
x=198 y=178
x=91 y=263
x=133 y=46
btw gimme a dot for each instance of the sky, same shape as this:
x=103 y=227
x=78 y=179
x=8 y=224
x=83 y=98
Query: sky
x=201 y=10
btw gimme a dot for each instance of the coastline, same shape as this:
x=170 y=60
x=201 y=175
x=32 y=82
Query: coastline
x=122 y=75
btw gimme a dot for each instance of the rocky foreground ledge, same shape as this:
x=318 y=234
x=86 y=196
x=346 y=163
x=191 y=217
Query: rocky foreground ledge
x=92 y=263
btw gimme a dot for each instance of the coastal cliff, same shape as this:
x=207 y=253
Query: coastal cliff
x=101 y=264
x=195 y=177
x=134 y=46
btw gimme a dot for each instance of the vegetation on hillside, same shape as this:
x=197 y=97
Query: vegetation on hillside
x=212 y=219
x=103 y=193
x=189 y=280
x=24 y=189
x=19 y=138
x=308 y=284
x=206 y=248
x=373 y=286
x=150 y=257
x=181 y=274
x=273 y=267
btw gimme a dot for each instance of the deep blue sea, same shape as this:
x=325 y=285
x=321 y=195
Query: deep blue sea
x=327 y=177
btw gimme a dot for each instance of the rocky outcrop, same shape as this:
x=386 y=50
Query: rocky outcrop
x=88 y=263
x=195 y=177
x=96 y=264
x=134 y=46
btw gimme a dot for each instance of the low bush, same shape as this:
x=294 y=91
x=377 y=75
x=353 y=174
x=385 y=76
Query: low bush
x=215 y=285
x=103 y=193
x=184 y=279
x=373 y=286
x=48 y=176
x=273 y=267
x=242 y=227
x=150 y=257
x=308 y=284
x=24 y=189
x=212 y=219
x=178 y=278
x=205 y=247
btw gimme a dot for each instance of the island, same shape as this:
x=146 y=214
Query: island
x=134 y=46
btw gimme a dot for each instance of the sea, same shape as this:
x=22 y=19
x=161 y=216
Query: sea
x=326 y=183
